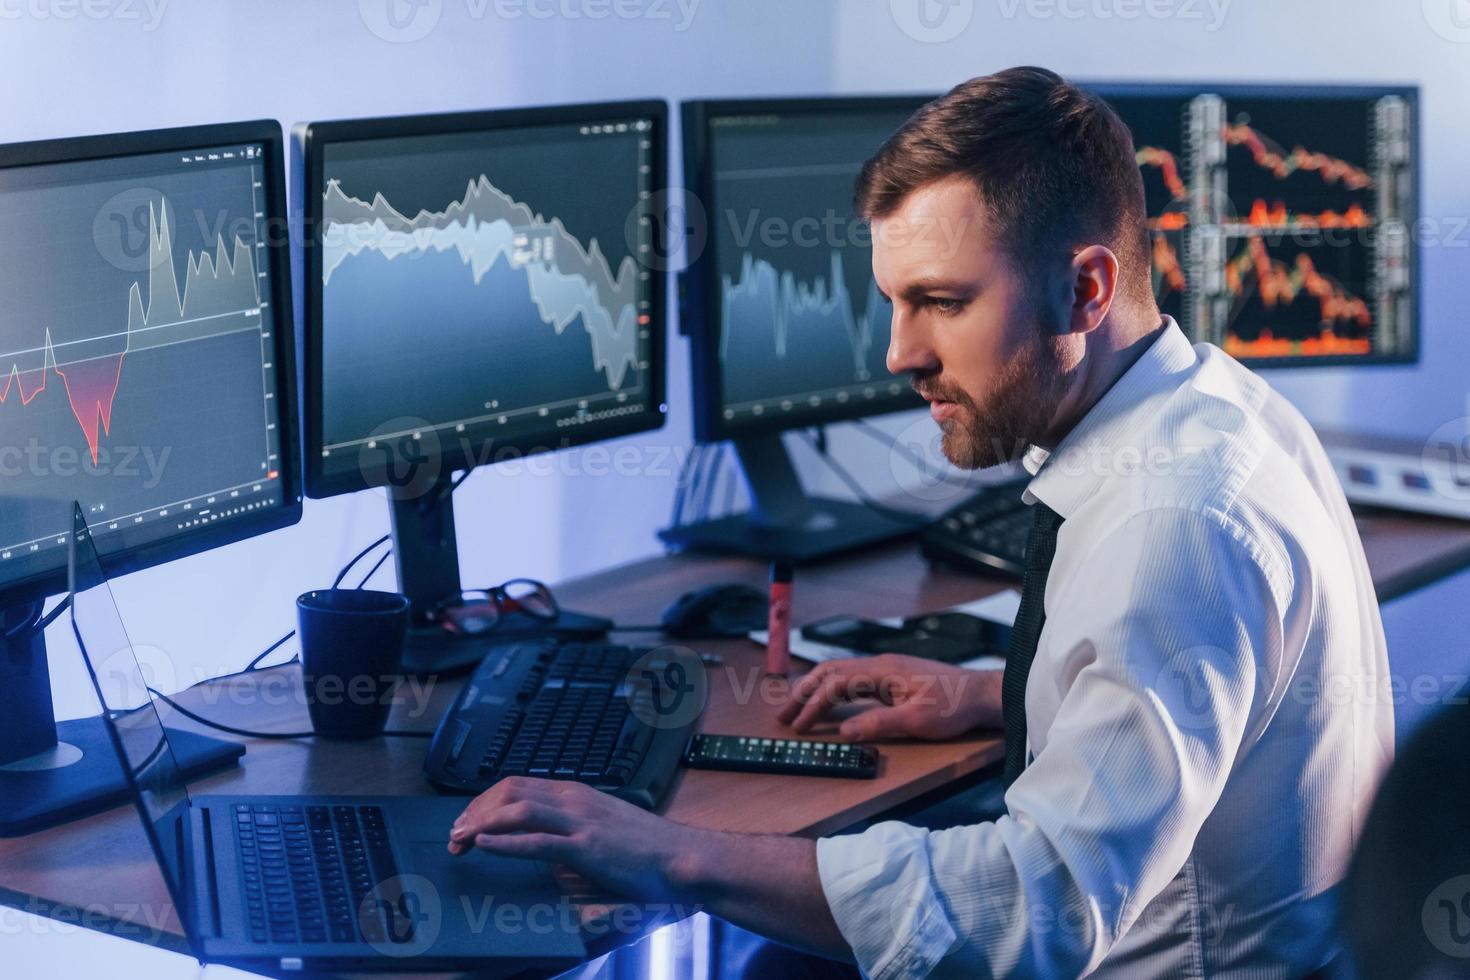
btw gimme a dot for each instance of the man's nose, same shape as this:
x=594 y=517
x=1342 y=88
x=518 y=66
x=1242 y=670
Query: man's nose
x=909 y=350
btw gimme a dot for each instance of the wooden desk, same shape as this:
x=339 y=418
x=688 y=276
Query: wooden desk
x=99 y=870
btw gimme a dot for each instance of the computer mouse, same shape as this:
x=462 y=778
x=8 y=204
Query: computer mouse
x=731 y=609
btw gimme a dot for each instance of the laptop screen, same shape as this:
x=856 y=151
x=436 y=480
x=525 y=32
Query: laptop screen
x=156 y=782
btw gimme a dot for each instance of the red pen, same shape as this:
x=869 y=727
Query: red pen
x=778 y=646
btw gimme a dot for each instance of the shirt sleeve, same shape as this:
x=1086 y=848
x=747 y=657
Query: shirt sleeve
x=1159 y=649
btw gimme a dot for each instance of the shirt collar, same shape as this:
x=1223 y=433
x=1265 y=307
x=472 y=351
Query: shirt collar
x=1064 y=478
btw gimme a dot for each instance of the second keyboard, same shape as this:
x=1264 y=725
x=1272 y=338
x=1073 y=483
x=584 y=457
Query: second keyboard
x=577 y=711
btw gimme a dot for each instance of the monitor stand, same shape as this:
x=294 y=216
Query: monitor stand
x=784 y=523
x=426 y=554
x=54 y=772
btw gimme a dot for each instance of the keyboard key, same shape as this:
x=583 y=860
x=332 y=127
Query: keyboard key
x=302 y=886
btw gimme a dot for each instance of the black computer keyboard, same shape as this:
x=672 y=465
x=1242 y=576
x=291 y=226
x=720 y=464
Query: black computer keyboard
x=986 y=533
x=573 y=711
x=307 y=872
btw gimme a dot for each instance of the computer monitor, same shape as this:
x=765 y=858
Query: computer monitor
x=476 y=286
x=1283 y=217
x=1283 y=222
x=787 y=327
x=146 y=371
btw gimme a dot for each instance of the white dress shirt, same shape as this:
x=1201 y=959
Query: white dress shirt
x=1208 y=712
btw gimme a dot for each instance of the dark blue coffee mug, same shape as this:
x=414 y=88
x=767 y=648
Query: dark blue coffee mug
x=351 y=654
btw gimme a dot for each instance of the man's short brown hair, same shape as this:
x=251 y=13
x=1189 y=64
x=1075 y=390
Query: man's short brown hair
x=1054 y=164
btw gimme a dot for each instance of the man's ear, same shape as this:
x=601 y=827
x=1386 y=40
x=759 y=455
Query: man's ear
x=1094 y=279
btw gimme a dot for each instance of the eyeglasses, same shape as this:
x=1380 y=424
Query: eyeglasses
x=519 y=596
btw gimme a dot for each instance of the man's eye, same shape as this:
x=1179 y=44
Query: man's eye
x=946 y=306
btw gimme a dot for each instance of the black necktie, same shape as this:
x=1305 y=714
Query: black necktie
x=1041 y=548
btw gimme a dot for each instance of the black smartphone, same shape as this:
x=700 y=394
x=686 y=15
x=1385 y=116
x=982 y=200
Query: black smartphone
x=994 y=637
x=866 y=636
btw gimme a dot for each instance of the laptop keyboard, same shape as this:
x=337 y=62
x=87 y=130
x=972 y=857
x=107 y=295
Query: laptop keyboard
x=308 y=872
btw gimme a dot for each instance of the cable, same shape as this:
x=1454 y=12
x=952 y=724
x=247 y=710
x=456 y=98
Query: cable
x=427 y=502
x=342 y=575
x=372 y=571
x=243 y=732
x=35 y=622
x=337 y=582
x=255 y=664
x=455 y=483
x=882 y=510
x=29 y=623
x=247 y=733
x=54 y=614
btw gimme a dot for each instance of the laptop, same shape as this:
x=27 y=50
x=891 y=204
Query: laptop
x=311 y=883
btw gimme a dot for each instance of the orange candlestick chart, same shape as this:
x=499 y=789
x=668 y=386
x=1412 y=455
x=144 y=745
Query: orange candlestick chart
x=1277 y=284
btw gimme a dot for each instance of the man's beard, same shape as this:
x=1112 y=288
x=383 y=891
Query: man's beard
x=1020 y=407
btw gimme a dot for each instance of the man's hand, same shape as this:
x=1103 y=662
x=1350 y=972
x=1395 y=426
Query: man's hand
x=768 y=884
x=917 y=698
x=628 y=851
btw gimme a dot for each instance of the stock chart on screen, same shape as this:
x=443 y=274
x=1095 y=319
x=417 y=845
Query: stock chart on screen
x=485 y=283
x=802 y=325
x=1281 y=219
x=135 y=347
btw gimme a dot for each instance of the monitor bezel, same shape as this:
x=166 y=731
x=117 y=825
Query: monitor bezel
x=1307 y=90
x=699 y=280
x=118 y=557
x=309 y=142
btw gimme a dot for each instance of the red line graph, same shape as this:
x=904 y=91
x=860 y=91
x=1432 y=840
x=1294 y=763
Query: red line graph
x=1326 y=344
x=1269 y=156
x=91 y=387
x=1169 y=221
x=1279 y=284
x=1168 y=167
x=213 y=286
x=1277 y=216
x=1168 y=273
x=16 y=379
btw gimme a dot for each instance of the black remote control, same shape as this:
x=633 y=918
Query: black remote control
x=781 y=756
